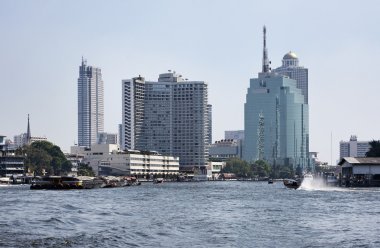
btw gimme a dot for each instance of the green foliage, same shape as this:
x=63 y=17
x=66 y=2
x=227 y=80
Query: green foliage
x=286 y=171
x=237 y=166
x=374 y=150
x=85 y=170
x=243 y=169
x=259 y=168
x=43 y=155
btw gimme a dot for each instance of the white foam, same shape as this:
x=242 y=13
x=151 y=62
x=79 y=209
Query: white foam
x=317 y=184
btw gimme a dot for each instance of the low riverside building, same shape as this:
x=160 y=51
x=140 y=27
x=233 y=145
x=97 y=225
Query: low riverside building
x=11 y=166
x=107 y=159
x=360 y=171
x=216 y=169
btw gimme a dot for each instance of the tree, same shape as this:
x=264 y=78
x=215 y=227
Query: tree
x=237 y=166
x=37 y=160
x=43 y=155
x=286 y=171
x=374 y=150
x=261 y=168
x=85 y=170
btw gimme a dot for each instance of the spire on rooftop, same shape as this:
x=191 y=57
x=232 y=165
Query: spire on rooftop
x=266 y=61
x=28 y=133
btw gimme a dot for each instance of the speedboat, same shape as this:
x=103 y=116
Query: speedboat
x=292 y=184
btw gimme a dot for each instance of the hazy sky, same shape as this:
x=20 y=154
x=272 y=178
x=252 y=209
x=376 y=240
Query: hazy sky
x=41 y=44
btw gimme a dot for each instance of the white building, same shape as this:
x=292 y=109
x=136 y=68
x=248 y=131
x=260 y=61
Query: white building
x=90 y=104
x=21 y=140
x=170 y=116
x=75 y=160
x=353 y=148
x=107 y=159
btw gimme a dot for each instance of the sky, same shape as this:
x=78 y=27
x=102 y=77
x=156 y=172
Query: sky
x=217 y=41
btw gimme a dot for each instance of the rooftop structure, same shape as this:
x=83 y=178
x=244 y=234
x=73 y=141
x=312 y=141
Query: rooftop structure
x=225 y=149
x=290 y=68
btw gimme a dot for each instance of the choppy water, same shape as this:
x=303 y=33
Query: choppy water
x=205 y=214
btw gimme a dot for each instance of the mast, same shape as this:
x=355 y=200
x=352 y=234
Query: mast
x=28 y=133
x=266 y=61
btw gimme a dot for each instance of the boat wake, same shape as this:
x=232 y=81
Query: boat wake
x=318 y=184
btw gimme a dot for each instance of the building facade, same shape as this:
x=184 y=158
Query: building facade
x=107 y=138
x=21 y=139
x=360 y=172
x=133 y=94
x=11 y=165
x=290 y=68
x=170 y=116
x=235 y=135
x=276 y=120
x=90 y=104
x=209 y=124
x=107 y=159
x=225 y=149
x=353 y=148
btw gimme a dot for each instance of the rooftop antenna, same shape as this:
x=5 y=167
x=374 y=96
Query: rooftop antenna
x=28 y=133
x=265 y=52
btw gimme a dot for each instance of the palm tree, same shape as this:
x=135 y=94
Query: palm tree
x=374 y=150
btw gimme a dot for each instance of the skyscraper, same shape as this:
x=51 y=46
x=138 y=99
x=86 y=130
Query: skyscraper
x=133 y=95
x=209 y=127
x=170 y=116
x=291 y=69
x=276 y=125
x=90 y=104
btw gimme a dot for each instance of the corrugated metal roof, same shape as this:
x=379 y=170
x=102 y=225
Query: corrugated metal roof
x=367 y=160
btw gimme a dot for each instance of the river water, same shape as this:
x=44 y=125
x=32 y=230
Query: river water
x=204 y=214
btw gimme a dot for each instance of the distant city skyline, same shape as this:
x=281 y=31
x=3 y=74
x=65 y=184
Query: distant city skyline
x=216 y=41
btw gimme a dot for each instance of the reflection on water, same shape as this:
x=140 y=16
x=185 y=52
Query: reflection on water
x=204 y=214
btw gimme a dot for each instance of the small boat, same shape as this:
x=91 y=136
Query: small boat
x=158 y=180
x=292 y=184
x=270 y=181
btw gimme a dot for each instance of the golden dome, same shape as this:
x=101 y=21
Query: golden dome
x=290 y=55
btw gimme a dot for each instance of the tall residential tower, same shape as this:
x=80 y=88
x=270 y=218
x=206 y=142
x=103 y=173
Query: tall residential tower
x=170 y=116
x=90 y=104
